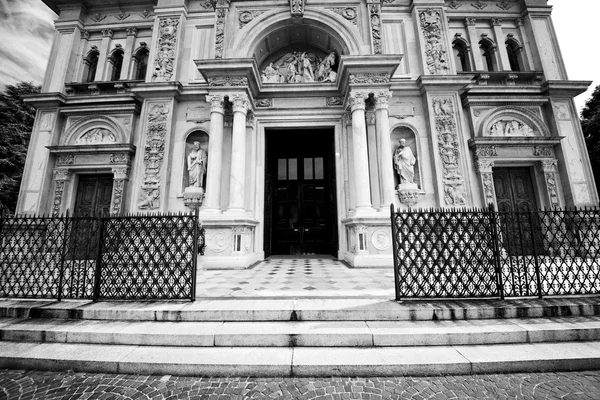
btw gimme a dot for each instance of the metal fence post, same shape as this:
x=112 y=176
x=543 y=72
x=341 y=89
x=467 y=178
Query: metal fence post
x=97 y=273
x=395 y=252
x=196 y=217
x=535 y=254
x=63 y=255
x=496 y=250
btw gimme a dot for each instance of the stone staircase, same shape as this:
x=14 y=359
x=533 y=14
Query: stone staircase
x=304 y=337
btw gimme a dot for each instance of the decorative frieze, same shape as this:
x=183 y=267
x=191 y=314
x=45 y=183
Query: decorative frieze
x=297 y=8
x=228 y=81
x=486 y=151
x=334 y=101
x=479 y=5
x=154 y=152
x=65 y=159
x=166 y=49
x=453 y=4
x=98 y=17
x=543 y=151
x=348 y=13
x=117 y=196
x=96 y=136
x=146 y=14
x=120 y=158
x=122 y=15
x=246 y=16
x=375 y=24
x=264 y=103
x=436 y=55
x=505 y=5
x=220 y=16
x=448 y=144
x=377 y=77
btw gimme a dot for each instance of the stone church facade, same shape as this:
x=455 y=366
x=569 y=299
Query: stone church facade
x=294 y=124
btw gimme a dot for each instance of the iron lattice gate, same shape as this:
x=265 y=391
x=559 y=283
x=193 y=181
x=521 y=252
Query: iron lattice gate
x=124 y=257
x=485 y=253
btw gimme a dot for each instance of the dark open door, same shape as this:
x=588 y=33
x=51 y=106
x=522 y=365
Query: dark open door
x=94 y=193
x=300 y=190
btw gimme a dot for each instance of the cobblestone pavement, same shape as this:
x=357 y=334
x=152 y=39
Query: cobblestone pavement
x=15 y=384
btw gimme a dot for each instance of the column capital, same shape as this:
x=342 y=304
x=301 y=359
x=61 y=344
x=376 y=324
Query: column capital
x=62 y=174
x=520 y=21
x=548 y=165
x=217 y=103
x=356 y=100
x=495 y=21
x=484 y=165
x=241 y=102
x=121 y=173
x=470 y=21
x=107 y=33
x=382 y=99
x=131 y=31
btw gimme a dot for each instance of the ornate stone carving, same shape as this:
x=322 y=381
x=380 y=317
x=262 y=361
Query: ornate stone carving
x=561 y=111
x=436 y=55
x=495 y=21
x=483 y=165
x=548 y=168
x=121 y=172
x=217 y=242
x=368 y=77
x=349 y=13
x=301 y=67
x=217 y=103
x=409 y=196
x=356 y=100
x=448 y=144
x=117 y=196
x=47 y=122
x=59 y=188
x=297 y=8
x=512 y=127
x=479 y=5
x=240 y=102
x=84 y=34
x=154 y=151
x=107 y=33
x=334 y=101
x=131 y=31
x=166 y=48
x=486 y=151
x=97 y=136
x=221 y=14
x=505 y=5
x=487 y=182
x=453 y=4
x=98 y=17
x=548 y=165
x=482 y=79
x=228 y=81
x=543 y=151
x=375 y=23
x=146 y=14
x=264 y=103
x=65 y=159
x=122 y=16
x=245 y=17
x=120 y=158
x=193 y=197
x=519 y=21
x=381 y=240
x=470 y=21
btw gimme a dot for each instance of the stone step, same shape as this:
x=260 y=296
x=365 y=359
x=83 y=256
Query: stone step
x=301 y=361
x=303 y=333
x=337 y=309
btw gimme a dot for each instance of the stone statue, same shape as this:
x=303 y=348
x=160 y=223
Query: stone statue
x=307 y=70
x=270 y=75
x=196 y=161
x=297 y=67
x=404 y=162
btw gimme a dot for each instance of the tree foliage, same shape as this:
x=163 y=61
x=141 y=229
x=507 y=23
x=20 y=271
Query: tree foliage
x=16 y=122
x=590 y=123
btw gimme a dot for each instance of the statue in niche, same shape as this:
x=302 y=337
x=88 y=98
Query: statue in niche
x=404 y=162
x=297 y=67
x=196 y=161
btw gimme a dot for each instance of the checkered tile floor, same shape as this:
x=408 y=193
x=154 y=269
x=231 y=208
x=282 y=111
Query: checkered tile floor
x=297 y=277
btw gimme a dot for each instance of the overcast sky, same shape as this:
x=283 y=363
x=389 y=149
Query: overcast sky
x=26 y=30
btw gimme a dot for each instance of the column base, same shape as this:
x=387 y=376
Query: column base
x=368 y=241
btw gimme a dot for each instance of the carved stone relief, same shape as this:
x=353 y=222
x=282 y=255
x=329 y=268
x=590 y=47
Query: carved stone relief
x=334 y=101
x=297 y=8
x=487 y=180
x=448 y=144
x=381 y=240
x=96 y=136
x=166 y=48
x=65 y=159
x=117 y=196
x=510 y=127
x=548 y=168
x=381 y=77
x=543 y=151
x=61 y=176
x=486 y=151
x=120 y=158
x=154 y=151
x=479 y=5
x=375 y=23
x=146 y=14
x=264 y=103
x=245 y=17
x=47 y=121
x=453 y=4
x=349 y=13
x=228 y=81
x=561 y=110
x=301 y=67
x=436 y=55
x=220 y=14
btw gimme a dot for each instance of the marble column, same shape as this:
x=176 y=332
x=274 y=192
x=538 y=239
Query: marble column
x=356 y=102
x=107 y=35
x=62 y=178
x=237 y=182
x=384 y=146
x=212 y=198
x=128 y=54
x=120 y=178
x=477 y=63
x=503 y=63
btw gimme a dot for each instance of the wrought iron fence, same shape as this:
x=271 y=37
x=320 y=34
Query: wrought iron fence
x=487 y=253
x=120 y=257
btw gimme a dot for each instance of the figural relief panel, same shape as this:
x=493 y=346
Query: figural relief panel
x=436 y=54
x=166 y=49
x=154 y=152
x=301 y=67
x=448 y=143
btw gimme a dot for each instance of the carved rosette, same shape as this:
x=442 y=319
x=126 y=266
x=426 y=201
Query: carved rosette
x=448 y=144
x=548 y=168
x=375 y=24
x=61 y=177
x=154 y=152
x=166 y=49
x=436 y=54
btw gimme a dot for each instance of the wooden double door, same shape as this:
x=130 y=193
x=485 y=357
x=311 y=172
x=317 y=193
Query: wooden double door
x=94 y=194
x=300 y=209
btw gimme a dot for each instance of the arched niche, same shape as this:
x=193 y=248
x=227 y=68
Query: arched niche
x=92 y=130
x=195 y=160
x=407 y=133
